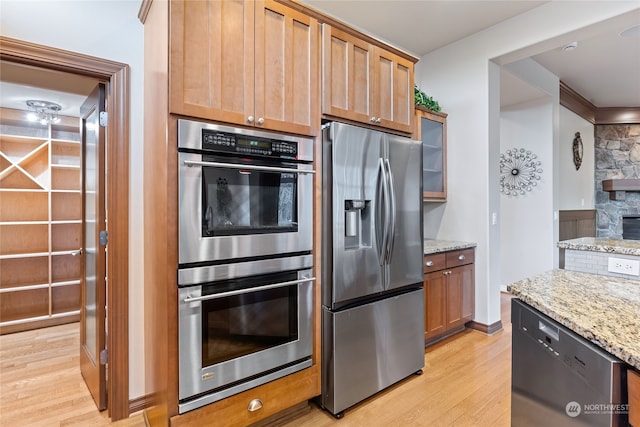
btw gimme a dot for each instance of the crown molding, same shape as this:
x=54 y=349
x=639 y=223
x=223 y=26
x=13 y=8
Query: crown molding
x=573 y=101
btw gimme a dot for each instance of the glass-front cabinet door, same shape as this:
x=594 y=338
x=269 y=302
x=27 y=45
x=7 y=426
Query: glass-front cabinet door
x=431 y=129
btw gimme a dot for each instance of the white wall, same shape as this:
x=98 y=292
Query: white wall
x=526 y=226
x=109 y=30
x=577 y=187
x=462 y=78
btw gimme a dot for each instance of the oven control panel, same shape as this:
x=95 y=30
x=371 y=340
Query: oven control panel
x=232 y=143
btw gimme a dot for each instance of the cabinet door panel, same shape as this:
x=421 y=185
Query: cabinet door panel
x=347 y=75
x=286 y=73
x=431 y=129
x=468 y=292
x=434 y=304
x=211 y=63
x=454 y=298
x=460 y=295
x=383 y=100
x=393 y=91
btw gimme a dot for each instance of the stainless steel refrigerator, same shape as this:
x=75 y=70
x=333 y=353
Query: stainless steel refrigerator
x=372 y=274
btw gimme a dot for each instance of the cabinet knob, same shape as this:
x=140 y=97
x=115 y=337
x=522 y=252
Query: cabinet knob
x=461 y=257
x=250 y=119
x=372 y=119
x=254 y=405
x=378 y=120
x=260 y=121
x=429 y=263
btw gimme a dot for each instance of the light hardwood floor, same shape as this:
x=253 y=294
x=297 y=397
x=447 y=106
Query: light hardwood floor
x=466 y=382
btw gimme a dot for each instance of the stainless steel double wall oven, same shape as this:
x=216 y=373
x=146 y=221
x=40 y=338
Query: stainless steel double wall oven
x=245 y=298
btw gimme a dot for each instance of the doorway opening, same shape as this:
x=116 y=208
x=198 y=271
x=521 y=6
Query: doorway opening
x=116 y=77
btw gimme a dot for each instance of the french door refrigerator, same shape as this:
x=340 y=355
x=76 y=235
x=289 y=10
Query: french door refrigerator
x=372 y=274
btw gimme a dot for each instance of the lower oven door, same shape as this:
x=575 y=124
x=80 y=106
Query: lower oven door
x=237 y=330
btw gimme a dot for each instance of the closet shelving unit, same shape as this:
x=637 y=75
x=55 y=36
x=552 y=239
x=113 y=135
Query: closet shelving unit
x=40 y=222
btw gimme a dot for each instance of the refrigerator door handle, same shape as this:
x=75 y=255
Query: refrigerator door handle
x=392 y=211
x=382 y=211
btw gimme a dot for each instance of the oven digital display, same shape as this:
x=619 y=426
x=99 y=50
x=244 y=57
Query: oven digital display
x=254 y=143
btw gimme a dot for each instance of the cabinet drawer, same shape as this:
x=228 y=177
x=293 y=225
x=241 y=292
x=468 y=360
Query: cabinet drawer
x=434 y=262
x=462 y=257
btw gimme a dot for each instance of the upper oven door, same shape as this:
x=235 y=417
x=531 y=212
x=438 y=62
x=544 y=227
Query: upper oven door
x=233 y=207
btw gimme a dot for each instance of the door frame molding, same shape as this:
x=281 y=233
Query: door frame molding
x=116 y=75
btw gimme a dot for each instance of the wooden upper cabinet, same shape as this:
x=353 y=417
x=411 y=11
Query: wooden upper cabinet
x=248 y=63
x=431 y=129
x=211 y=59
x=348 y=68
x=287 y=69
x=365 y=83
x=393 y=91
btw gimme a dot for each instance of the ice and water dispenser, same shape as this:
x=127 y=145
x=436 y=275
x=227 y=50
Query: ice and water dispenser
x=357 y=223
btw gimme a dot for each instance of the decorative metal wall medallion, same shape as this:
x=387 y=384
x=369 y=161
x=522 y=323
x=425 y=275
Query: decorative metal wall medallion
x=520 y=170
x=577 y=150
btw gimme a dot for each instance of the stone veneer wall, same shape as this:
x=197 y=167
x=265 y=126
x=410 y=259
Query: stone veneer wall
x=617 y=156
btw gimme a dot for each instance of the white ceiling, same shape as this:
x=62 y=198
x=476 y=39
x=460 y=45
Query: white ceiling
x=19 y=83
x=604 y=69
x=421 y=26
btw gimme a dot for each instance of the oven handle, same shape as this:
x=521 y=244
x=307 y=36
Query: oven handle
x=246 y=291
x=247 y=167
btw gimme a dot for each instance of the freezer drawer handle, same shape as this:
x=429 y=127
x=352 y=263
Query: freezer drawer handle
x=246 y=291
x=247 y=167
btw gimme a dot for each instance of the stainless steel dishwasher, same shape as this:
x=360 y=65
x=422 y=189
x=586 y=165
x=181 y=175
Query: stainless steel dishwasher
x=559 y=378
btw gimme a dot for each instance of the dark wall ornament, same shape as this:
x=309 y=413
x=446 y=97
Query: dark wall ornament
x=577 y=150
x=520 y=171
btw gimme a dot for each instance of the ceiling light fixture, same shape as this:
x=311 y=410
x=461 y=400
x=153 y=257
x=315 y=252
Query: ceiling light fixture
x=570 y=46
x=44 y=112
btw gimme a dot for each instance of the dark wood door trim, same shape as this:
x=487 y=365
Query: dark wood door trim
x=116 y=75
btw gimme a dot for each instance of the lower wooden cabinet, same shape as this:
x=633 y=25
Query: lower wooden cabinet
x=633 y=379
x=449 y=289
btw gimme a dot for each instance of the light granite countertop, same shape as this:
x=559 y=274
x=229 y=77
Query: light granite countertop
x=434 y=246
x=594 y=244
x=604 y=310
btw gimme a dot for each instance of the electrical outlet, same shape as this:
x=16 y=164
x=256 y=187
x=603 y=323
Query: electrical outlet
x=624 y=266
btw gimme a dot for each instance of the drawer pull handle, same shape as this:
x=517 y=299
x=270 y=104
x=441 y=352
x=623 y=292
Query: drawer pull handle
x=429 y=263
x=461 y=257
x=254 y=405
